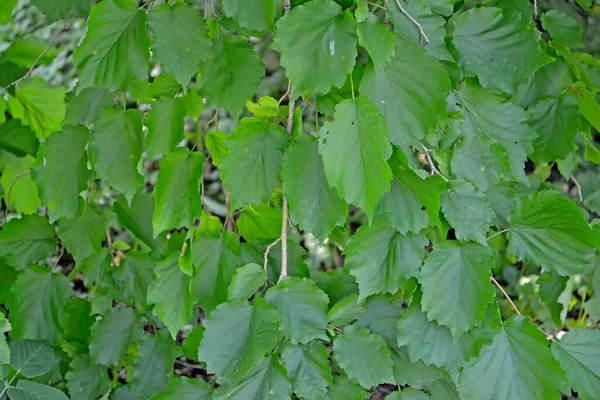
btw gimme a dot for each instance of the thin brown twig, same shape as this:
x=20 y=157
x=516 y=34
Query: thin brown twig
x=50 y=43
x=506 y=295
x=268 y=249
x=287 y=92
x=287 y=5
x=109 y=241
x=414 y=21
x=579 y=194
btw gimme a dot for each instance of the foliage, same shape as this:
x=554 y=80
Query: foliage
x=314 y=199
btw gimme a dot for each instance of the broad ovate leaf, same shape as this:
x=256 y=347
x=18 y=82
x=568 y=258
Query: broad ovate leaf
x=501 y=49
x=177 y=191
x=26 y=241
x=171 y=295
x=364 y=357
x=237 y=336
x=38 y=301
x=410 y=92
x=302 y=307
x=456 y=284
x=355 y=148
x=382 y=259
x=118 y=141
x=551 y=231
x=61 y=172
x=314 y=205
x=116 y=48
x=517 y=365
x=252 y=167
x=308 y=368
x=179 y=40
x=112 y=334
x=317 y=42
x=578 y=352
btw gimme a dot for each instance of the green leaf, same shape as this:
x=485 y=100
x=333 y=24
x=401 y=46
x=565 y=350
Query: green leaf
x=61 y=172
x=27 y=240
x=4 y=349
x=61 y=9
x=115 y=49
x=85 y=108
x=413 y=202
x=492 y=116
x=192 y=343
x=456 y=284
x=237 y=336
x=27 y=390
x=179 y=40
x=86 y=380
x=410 y=92
x=382 y=259
x=427 y=341
x=185 y=389
x=481 y=161
x=25 y=52
x=216 y=260
x=317 y=43
x=526 y=369
x=164 y=85
x=32 y=358
x=113 y=334
x=563 y=28
x=556 y=121
x=251 y=168
x=379 y=41
x=24 y=195
x=132 y=278
x=345 y=311
x=82 y=236
x=79 y=322
x=18 y=139
x=433 y=26
x=468 y=211
x=118 y=140
x=588 y=106
x=577 y=352
x=246 y=280
x=232 y=75
x=257 y=15
x=442 y=7
x=194 y=104
x=165 y=125
x=137 y=219
x=267 y=380
x=308 y=368
x=550 y=230
x=154 y=365
x=39 y=105
x=355 y=149
x=266 y=106
x=313 y=204
x=503 y=50
x=6 y=8
x=215 y=143
x=555 y=292
x=344 y=389
x=260 y=222
x=364 y=357
x=550 y=80
x=177 y=191
x=302 y=307
x=408 y=394
x=170 y=293
x=37 y=309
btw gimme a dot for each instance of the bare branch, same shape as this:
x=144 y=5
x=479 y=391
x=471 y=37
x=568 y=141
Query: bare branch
x=287 y=5
x=414 y=21
x=39 y=57
x=269 y=247
x=506 y=295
